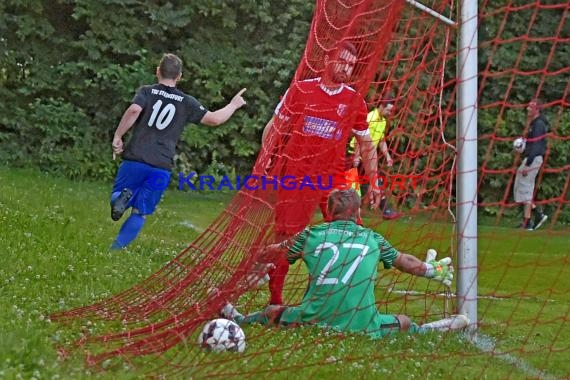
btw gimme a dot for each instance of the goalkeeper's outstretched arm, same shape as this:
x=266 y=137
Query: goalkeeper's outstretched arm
x=410 y=264
x=441 y=270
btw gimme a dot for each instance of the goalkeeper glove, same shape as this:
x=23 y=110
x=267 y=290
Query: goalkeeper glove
x=439 y=270
x=258 y=275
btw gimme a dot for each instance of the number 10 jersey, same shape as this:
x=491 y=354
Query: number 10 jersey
x=165 y=112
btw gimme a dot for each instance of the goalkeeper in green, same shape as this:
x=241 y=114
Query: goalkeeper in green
x=342 y=259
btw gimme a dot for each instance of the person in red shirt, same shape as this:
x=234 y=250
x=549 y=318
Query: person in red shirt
x=305 y=141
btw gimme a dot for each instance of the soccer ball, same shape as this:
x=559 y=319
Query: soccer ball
x=519 y=144
x=222 y=335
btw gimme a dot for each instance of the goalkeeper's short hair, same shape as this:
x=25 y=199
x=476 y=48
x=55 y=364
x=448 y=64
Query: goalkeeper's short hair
x=343 y=205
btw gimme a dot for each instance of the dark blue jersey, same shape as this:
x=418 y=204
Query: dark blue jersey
x=165 y=112
x=536 y=139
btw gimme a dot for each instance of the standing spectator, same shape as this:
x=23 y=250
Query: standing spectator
x=533 y=156
x=307 y=136
x=378 y=126
x=342 y=260
x=159 y=113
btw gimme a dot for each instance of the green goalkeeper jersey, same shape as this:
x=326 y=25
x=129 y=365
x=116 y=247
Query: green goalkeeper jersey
x=342 y=260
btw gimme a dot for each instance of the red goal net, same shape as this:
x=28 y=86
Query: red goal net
x=408 y=53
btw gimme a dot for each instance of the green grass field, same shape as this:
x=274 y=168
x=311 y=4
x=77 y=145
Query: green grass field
x=55 y=236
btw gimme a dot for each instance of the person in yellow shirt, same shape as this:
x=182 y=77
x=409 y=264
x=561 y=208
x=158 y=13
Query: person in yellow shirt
x=377 y=125
x=377 y=122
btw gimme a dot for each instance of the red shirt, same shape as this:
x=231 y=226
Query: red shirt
x=313 y=125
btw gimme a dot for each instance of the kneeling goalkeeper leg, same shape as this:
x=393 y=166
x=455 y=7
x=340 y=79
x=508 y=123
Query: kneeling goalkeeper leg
x=266 y=317
x=277 y=277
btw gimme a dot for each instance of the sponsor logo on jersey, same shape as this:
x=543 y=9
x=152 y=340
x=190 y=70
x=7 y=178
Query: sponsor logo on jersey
x=326 y=129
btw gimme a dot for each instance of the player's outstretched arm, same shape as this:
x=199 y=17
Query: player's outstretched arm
x=272 y=253
x=410 y=264
x=222 y=115
x=264 y=259
x=441 y=270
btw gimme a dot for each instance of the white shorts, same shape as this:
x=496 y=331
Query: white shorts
x=524 y=186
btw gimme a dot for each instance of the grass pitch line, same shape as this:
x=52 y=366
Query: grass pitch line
x=188 y=224
x=487 y=345
x=505 y=298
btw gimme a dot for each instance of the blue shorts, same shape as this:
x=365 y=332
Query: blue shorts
x=147 y=183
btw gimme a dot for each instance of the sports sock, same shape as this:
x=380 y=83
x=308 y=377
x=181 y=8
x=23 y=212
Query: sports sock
x=454 y=322
x=415 y=328
x=259 y=317
x=277 y=281
x=129 y=231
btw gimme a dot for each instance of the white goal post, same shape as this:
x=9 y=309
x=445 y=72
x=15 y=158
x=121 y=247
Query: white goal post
x=467 y=162
x=466 y=178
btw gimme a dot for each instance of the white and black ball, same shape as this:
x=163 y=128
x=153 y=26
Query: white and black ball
x=220 y=335
x=519 y=144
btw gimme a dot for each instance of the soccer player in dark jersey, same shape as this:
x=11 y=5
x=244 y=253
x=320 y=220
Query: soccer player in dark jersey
x=342 y=260
x=307 y=136
x=158 y=115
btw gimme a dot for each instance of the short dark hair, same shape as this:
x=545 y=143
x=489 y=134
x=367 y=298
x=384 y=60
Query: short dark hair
x=170 y=66
x=343 y=204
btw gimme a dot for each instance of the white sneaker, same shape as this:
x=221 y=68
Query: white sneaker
x=230 y=312
x=455 y=322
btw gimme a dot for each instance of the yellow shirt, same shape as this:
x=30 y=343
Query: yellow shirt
x=376 y=126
